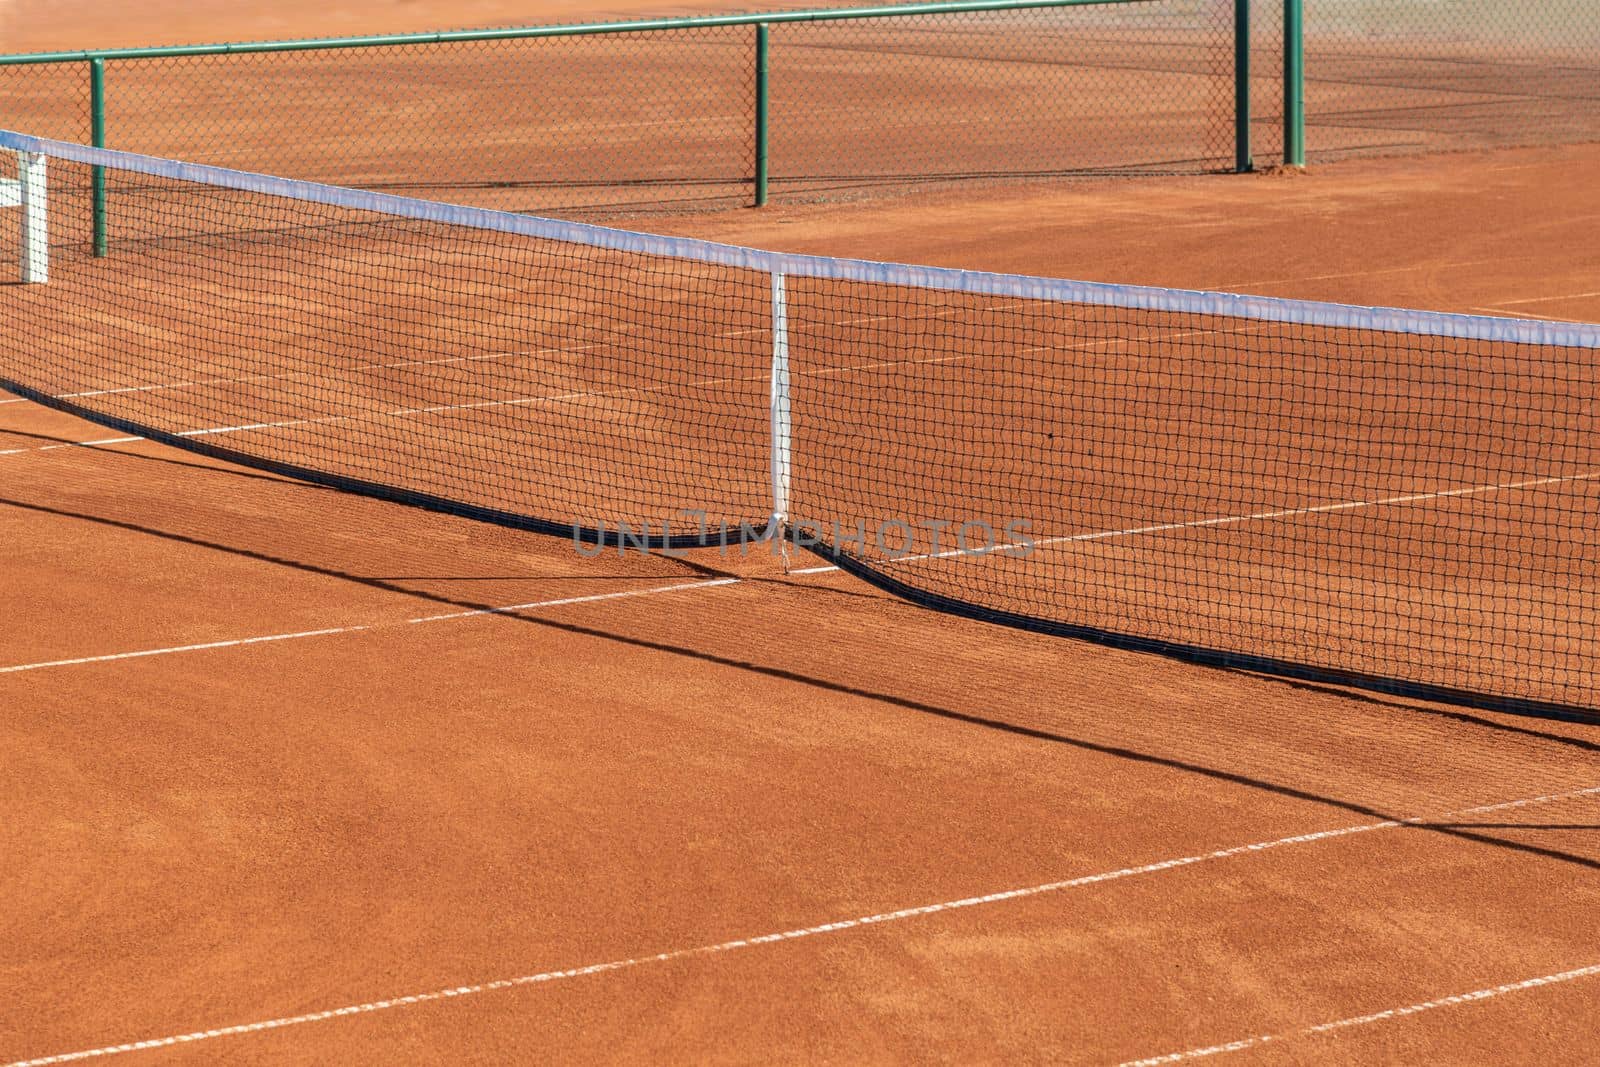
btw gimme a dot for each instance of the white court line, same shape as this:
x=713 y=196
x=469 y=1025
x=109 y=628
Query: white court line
x=317 y=372
x=209 y=431
x=364 y=627
x=71 y=444
x=1419 y=268
x=314 y=373
x=1228 y=520
x=1091 y=536
x=1389 y=1015
x=1547 y=299
x=517 y=354
x=181 y=648
x=590 y=599
x=877 y=919
x=1525 y=315
x=326 y=420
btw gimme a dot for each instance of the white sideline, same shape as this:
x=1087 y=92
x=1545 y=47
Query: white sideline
x=523 y=401
x=1388 y=1015
x=877 y=919
x=360 y=628
x=1227 y=520
x=560 y=350
x=515 y=354
x=97 y=443
x=953 y=553
x=1413 y=269
x=250 y=379
x=1547 y=299
x=1523 y=315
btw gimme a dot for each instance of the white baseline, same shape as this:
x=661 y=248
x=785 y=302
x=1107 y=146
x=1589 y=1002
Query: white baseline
x=1388 y=1015
x=333 y=631
x=1095 y=535
x=794 y=934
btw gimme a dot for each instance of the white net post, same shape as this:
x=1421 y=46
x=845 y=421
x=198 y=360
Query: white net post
x=780 y=405
x=28 y=192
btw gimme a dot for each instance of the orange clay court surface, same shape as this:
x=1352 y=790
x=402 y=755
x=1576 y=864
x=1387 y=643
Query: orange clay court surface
x=278 y=790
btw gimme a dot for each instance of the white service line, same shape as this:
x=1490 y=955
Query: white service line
x=71 y=444
x=827 y=568
x=142 y=653
x=836 y=926
x=710 y=583
x=364 y=627
x=317 y=372
x=1417 y=268
x=212 y=431
x=1227 y=520
x=1524 y=315
x=1389 y=1015
x=1546 y=299
x=310 y=372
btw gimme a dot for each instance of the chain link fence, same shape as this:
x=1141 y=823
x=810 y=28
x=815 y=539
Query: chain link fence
x=1405 y=76
x=673 y=114
x=587 y=119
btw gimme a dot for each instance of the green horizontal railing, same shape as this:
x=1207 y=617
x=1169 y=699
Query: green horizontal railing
x=687 y=22
x=97 y=60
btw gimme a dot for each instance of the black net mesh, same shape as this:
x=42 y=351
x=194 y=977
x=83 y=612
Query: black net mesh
x=486 y=373
x=1354 y=500
x=1390 y=504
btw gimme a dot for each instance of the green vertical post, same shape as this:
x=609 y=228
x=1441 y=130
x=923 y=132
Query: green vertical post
x=763 y=109
x=97 y=137
x=1294 y=83
x=1243 y=162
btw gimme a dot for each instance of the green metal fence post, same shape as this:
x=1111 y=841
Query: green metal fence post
x=1294 y=83
x=1243 y=162
x=763 y=109
x=97 y=137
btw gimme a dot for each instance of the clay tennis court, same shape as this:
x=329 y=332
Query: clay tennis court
x=297 y=776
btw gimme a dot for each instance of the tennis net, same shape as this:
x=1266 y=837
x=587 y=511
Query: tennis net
x=1398 y=500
